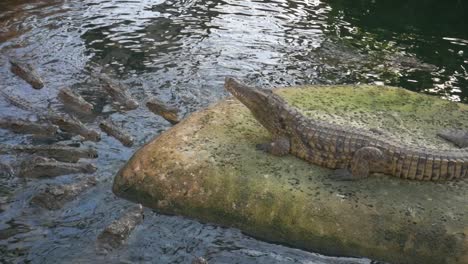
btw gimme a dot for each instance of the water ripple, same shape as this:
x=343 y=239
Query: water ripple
x=180 y=51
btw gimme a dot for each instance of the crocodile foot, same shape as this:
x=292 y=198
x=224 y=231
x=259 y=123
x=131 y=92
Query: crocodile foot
x=343 y=175
x=456 y=136
x=278 y=147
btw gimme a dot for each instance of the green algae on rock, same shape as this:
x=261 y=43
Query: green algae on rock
x=207 y=168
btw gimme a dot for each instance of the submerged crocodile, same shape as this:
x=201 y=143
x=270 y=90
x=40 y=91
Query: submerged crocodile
x=354 y=153
x=54 y=197
x=170 y=113
x=26 y=72
x=74 y=101
x=21 y=126
x=115 y=234
x=118 y=92
x=40 y=167
x=112 y=130
x=57 y=152
x=67 y=123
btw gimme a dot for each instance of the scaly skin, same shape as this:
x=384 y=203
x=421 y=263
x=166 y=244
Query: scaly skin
x=115 y=234
x=75 y=101
x=27 y=127
x=54 y=197
x=112 y=130
x=70 y=124
x=355 y=153
x=17 y=101
x=42 y=167
x=66 y=123
x=27 y=73
x=167 y=112
x=118 y=93
x=60 y=153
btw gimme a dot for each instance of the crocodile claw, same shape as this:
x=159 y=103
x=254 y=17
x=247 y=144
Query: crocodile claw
x=456 y=136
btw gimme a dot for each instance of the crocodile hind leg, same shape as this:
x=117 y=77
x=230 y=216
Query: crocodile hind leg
x=278 y=147
x=364 y=161
x=458 y=137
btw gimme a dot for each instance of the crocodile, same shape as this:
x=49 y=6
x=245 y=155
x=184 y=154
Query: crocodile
x=17 y=101
x=57 y=152
x=26 y=72
x=118 y=92
x=70 y=124
x=112 y=130
x=66 y=123
x=40 y=167
x=353 y=153
x=54 y=197
x=21 y=126
x=115 y=234
x=74 y=101
x=169 y=113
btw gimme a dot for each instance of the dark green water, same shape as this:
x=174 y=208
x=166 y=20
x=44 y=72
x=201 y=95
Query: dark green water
x=434 y=32
x=180 y=51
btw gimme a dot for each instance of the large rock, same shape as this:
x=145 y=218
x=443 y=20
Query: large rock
x=207 y=168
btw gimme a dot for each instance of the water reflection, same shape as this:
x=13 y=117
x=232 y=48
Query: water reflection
x=180 y=51
x=431 y=31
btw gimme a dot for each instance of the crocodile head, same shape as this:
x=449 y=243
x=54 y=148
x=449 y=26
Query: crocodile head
x=268 y=108
x=27 y=73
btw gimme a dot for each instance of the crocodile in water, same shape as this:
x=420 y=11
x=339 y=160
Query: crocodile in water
x=26 y=72
x=67 y=123
x=57 y=152
x=39 y=167
x=74 y=101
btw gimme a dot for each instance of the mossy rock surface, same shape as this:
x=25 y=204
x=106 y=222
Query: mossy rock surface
x=207 y=168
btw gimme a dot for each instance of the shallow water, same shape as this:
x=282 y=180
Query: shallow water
x=180 y=51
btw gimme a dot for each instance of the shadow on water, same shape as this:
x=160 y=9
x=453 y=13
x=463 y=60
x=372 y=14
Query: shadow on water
x=180 y=51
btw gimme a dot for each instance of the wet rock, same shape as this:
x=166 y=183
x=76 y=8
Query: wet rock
x=118 y=231
x=74 y=101
x=57 y=152
x=21 y=126
x=167 y=112
x=199 y=260
x=207 y=168
x=55 y=197
x=39 y=167
x=26 y=72
x=112 y=130
x=118 y=92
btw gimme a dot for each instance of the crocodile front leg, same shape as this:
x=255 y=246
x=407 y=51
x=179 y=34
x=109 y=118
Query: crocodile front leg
x=457 y=137
x=364 y=161
x=278 y=147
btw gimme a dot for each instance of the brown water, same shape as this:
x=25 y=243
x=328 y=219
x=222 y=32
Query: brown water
x=180 y=52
